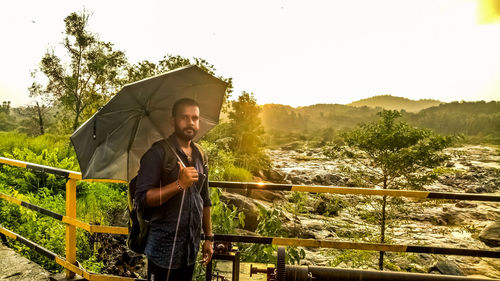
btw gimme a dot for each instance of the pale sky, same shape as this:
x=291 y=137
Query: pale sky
x=290 y=52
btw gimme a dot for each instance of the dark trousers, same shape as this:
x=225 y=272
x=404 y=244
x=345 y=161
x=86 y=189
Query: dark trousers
x=156 y=273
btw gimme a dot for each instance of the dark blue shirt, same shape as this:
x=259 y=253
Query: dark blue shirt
x=152 y=174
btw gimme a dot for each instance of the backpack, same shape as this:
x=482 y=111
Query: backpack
x=138 y=223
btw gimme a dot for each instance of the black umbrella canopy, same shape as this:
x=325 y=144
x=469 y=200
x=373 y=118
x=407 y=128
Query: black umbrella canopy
x=111 y=143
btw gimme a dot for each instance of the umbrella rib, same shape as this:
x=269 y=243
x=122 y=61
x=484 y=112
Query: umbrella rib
x=119 y=127
x=156 y=126
x=190 y=86
x=121 y=111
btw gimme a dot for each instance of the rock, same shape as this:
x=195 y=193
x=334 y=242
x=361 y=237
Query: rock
x=298 y=180
x=275 y=176
x=480 y=189
x=446 y=267
x=267 y=195
x=449 y=164
x=291 y=146
x=465 y=204
x=245 y=205
x=491 y=235
x=296 y=229
x=309 y=153
x=262 y=175
x=449 y=216
x=318 y=179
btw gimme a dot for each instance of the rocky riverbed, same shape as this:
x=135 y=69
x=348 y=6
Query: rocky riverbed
x=440 y=223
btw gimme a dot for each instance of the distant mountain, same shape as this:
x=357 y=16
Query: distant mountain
x=398 y=103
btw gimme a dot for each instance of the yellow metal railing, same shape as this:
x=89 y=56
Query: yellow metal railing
x=71 y=265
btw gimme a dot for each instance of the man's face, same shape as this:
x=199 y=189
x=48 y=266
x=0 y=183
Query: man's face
x=187 y=122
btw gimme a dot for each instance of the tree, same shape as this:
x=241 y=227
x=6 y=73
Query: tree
x=35 y=115
x=393 y=154
x=246 y=131
x=6 y=119
x=92 y=74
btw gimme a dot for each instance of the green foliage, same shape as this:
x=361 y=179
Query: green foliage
x=299 y=200
x=351 y=258
x=11 y=140
x=233 y=173
x=246 y=132
x=7 y=122
x=93 y=264
x=31 y=181
x=221 y=164
x=391 y=154
x=270 y=225
x=100 y=203
x=477 y=121
x=35 y=226
x=327 y=205
x=481 y=119
x=87 y=81
x=395 y=152
x=97 y=203
x=224 y=219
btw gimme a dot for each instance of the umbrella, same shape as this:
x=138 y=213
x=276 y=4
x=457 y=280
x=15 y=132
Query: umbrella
x=111 y=143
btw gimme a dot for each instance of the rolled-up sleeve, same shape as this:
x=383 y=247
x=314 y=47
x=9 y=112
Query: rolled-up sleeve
x=150 y=173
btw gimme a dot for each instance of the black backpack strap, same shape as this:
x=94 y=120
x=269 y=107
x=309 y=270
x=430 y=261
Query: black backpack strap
x=203 y=154
x=169 y=153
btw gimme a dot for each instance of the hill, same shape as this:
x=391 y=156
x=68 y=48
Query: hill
x=396 y=103
x=323 y=121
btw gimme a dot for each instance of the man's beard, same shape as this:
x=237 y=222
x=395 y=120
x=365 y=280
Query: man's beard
x=183 y=135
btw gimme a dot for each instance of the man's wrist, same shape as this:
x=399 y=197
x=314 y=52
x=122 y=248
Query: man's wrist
x=179 y=186
x=209 y=238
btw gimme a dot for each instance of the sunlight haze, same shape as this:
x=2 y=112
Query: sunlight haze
x=289 y=52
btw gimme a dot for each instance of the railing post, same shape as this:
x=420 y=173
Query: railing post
x=70 y=229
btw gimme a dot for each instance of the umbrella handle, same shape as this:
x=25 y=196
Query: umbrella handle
x=175 y=236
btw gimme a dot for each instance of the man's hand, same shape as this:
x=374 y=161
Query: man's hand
x=187 y=176
x=207 y=251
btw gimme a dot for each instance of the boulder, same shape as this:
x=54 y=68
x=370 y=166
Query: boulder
x=465 y=204
x=267 y=195
x=449 y=216
x=245 y=205
x=446 y=267
x=491 y=235
x=275 y=176
x=334 y=179
x=298 y=180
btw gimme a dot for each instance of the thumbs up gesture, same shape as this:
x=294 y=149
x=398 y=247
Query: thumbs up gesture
x=187 y=176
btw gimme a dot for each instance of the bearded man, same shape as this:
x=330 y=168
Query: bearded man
x=162 y=189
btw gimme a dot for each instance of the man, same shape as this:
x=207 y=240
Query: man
x=160 y=190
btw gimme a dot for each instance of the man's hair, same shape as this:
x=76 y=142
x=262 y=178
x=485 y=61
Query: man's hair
x=183 y=102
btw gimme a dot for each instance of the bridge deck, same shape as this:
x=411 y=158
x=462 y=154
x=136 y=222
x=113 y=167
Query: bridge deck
x=14 y=267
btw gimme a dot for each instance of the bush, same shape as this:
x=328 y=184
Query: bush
x=327 y=205
x=224 y=219
x=270 y=225
x=233 y=173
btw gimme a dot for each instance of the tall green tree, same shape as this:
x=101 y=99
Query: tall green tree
x=393 y=154
x=247 y=132
x=92 y=74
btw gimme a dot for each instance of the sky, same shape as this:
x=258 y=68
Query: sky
x=296 y=53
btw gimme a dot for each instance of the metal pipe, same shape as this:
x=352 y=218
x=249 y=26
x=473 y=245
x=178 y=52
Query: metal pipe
x=317 y=273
